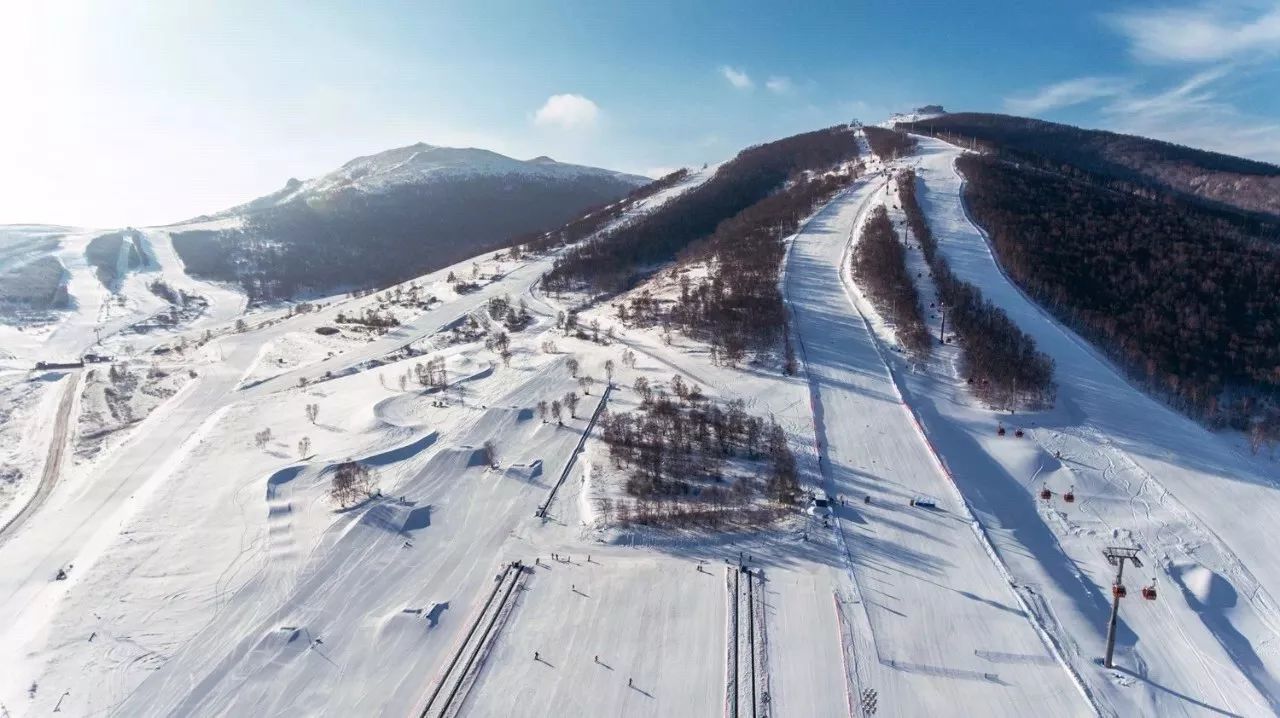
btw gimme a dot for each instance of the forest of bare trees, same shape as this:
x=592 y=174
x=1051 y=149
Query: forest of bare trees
x=737 y=307
x=1136 y=165
x=880 y=267
x=1181 y=296
x=888 y=144
x=616 y=259
x=597 y=218
x=1001 y=362
x=689 y=448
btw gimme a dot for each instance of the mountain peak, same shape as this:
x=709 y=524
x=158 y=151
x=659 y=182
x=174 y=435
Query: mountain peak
x=420 y=164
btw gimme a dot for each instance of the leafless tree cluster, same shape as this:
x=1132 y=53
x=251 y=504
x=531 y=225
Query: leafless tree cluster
x=598 y=218
x=715 y=511
x=737 y=308
x=352 y=482
x=880 y=267
x=262 y=438
x=432 y=374
x=679 y=448
x=615 y=259
x=513 y=316
x=1003 y=365
x=500 y=343
x=370 y=317
x=888 y=144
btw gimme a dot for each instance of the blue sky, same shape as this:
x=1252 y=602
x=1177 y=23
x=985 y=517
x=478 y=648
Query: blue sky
x=149 y=112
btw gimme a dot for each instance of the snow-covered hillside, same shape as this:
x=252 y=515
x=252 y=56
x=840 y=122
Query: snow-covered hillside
x=373 y=221
x=422 y=164
x=187 y=546
x=171 y=543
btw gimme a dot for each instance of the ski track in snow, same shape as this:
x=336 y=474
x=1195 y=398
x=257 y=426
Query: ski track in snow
x=1126 y=500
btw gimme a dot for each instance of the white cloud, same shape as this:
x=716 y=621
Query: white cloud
x=1204 y=33
x=1226 y=40
x=1065 y=94
x=1191 y=112
x=738 y=78
x=779 y=85
x=1195 y=94
x=569 y=112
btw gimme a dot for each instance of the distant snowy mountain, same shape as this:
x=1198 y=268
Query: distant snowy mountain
x=423 y=164
x=388 y=216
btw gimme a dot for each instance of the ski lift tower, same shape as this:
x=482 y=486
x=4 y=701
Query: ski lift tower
x=1116 y=556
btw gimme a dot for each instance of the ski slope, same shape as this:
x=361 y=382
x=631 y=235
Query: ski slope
x=1147 y=476
x=936 y=623
x=206 y=575
x=1202 y=647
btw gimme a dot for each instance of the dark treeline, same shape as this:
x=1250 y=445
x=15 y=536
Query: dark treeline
x=1183 y=298
x=880 y=265
x=597 y=217
x=887 y=144
x=614 y=260
x=1138 y=165
x=358 y=240
x=737 y=307
x=679 y=448
x=1000 y=360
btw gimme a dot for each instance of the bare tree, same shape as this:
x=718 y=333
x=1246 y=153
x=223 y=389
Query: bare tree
x=352 y=481
x=313 y=411
x=571 y=400
x=678 y=386
x=542 y=410
x=489 y=453
x=572 y=364
x=643 y=389
x=262 y=438
x=608 y=371
x=585 y=381
x=304 y=447
x=555 y=411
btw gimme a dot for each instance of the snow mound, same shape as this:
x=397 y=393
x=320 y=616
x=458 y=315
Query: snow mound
x=1208 y=588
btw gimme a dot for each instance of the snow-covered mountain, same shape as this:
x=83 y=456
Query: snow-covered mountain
x=388 y=216
x=422 y=164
